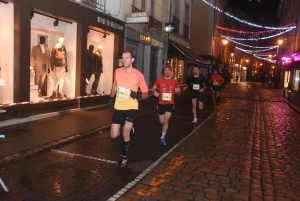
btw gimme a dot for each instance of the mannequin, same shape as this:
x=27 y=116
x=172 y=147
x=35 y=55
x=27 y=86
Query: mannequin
x=98 y=69
x=90 y=66
x=40 y=61
x=59 y=64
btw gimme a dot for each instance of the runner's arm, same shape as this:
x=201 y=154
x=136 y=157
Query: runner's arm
x=113 y=91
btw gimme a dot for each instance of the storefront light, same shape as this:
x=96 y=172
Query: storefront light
x=297 y=79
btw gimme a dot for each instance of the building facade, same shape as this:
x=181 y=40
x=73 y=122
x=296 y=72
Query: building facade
x=289 y=53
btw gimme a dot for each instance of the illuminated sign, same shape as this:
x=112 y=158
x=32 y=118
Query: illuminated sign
x=137 y=17
x=157 y=43
x=169 y=27
x=153 y=42
x=145 y=38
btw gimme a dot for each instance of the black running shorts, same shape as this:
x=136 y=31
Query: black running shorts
x=199 y=96
x=216 y=88
x=165 y=108
x=120 y=116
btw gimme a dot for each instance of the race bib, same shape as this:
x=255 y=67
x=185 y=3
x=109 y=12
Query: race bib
x=123 y=92
x=167 y=96
x=196 y=86
x=215 y=83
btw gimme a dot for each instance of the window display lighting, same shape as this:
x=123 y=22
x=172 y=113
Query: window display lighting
x=244 y=21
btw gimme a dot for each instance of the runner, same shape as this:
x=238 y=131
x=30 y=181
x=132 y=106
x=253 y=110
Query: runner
x=216 y=80
x=127 y=80
x=197 y=83
x=165 y=88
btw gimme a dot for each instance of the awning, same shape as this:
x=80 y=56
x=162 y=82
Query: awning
x=189 y=53
x=295 y=65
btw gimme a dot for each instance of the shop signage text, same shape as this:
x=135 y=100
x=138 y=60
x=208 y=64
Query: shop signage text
x=137 y=17
x=109 y=23
x=153 y=42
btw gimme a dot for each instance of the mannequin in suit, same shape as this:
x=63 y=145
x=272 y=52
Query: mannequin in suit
x=59 y=64
x=40 y=61
x=90 y=66
x=98 y=69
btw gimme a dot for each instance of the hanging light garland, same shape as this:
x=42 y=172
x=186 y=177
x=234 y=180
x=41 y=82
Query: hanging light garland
x=260 y=38
x=249 y=45
x=260 y=55
x=252 y=32
x=244 y=21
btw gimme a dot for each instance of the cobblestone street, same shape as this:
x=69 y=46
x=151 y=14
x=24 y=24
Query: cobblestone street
x=244 y=149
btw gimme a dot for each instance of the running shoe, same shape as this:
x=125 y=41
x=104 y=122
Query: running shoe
x=122 y=162
x=194 y=121
x=162 y=141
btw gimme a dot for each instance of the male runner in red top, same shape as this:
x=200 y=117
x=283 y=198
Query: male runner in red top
x=167 y=87
x=216 y=80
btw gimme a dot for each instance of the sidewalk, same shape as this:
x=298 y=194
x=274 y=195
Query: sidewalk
x=32 y=137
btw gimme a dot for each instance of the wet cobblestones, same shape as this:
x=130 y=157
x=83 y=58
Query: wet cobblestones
x=248 y=150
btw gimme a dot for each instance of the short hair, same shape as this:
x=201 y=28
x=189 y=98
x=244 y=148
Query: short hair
x=131 y=54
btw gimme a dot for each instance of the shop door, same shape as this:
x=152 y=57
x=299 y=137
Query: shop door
x=153 y=66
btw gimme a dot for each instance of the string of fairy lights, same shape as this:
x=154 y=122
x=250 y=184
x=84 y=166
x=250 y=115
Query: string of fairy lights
x=269 y=32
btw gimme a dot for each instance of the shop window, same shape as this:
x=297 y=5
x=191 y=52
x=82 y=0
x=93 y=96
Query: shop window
x=153 y=66
x=6 y=52
x=53 y=50
x=296 y=80
x=100 y=78
x=178 y=69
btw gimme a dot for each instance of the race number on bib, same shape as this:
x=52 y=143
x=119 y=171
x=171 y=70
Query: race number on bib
x=123 y=92
x=215 y=83
x=167 y=96
x=196 y=86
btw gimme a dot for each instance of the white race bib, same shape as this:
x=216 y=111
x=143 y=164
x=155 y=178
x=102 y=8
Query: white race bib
x=215 y=83
x=123 y=92
x=196 y=86
x=167 y=96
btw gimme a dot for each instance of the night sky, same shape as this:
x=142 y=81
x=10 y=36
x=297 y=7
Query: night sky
x=263 y=12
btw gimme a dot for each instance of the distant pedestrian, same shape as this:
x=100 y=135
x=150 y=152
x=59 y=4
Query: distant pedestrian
x=126 y=82
x=197 y=84
x=164 y=88
x=216 y=80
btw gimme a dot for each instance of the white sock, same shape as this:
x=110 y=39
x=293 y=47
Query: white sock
x=195 y=116
x=163 y=134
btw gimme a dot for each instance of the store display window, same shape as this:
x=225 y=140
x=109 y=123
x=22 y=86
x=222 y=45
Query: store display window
x=178 y=69
x=99 y=67
x=52 y=63
x=296 y=80
x=6 y=52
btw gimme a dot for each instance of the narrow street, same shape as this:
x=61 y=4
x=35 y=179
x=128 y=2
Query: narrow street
x=244 y=149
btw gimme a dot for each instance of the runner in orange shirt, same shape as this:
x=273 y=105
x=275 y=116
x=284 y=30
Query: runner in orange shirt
x=216 y=80
x=127 y=80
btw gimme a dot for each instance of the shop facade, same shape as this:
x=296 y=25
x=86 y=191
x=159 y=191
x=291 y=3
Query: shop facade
x=291 y=76
x=183 y=60
x=40 y=40
x=149 y=53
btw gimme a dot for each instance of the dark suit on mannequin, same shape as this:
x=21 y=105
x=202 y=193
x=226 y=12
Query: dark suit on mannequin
x=40 y=61
x=98 y=69
x=90 y=65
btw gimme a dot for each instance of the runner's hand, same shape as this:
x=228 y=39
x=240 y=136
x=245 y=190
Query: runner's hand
x=110 y=102
x=135 y=95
